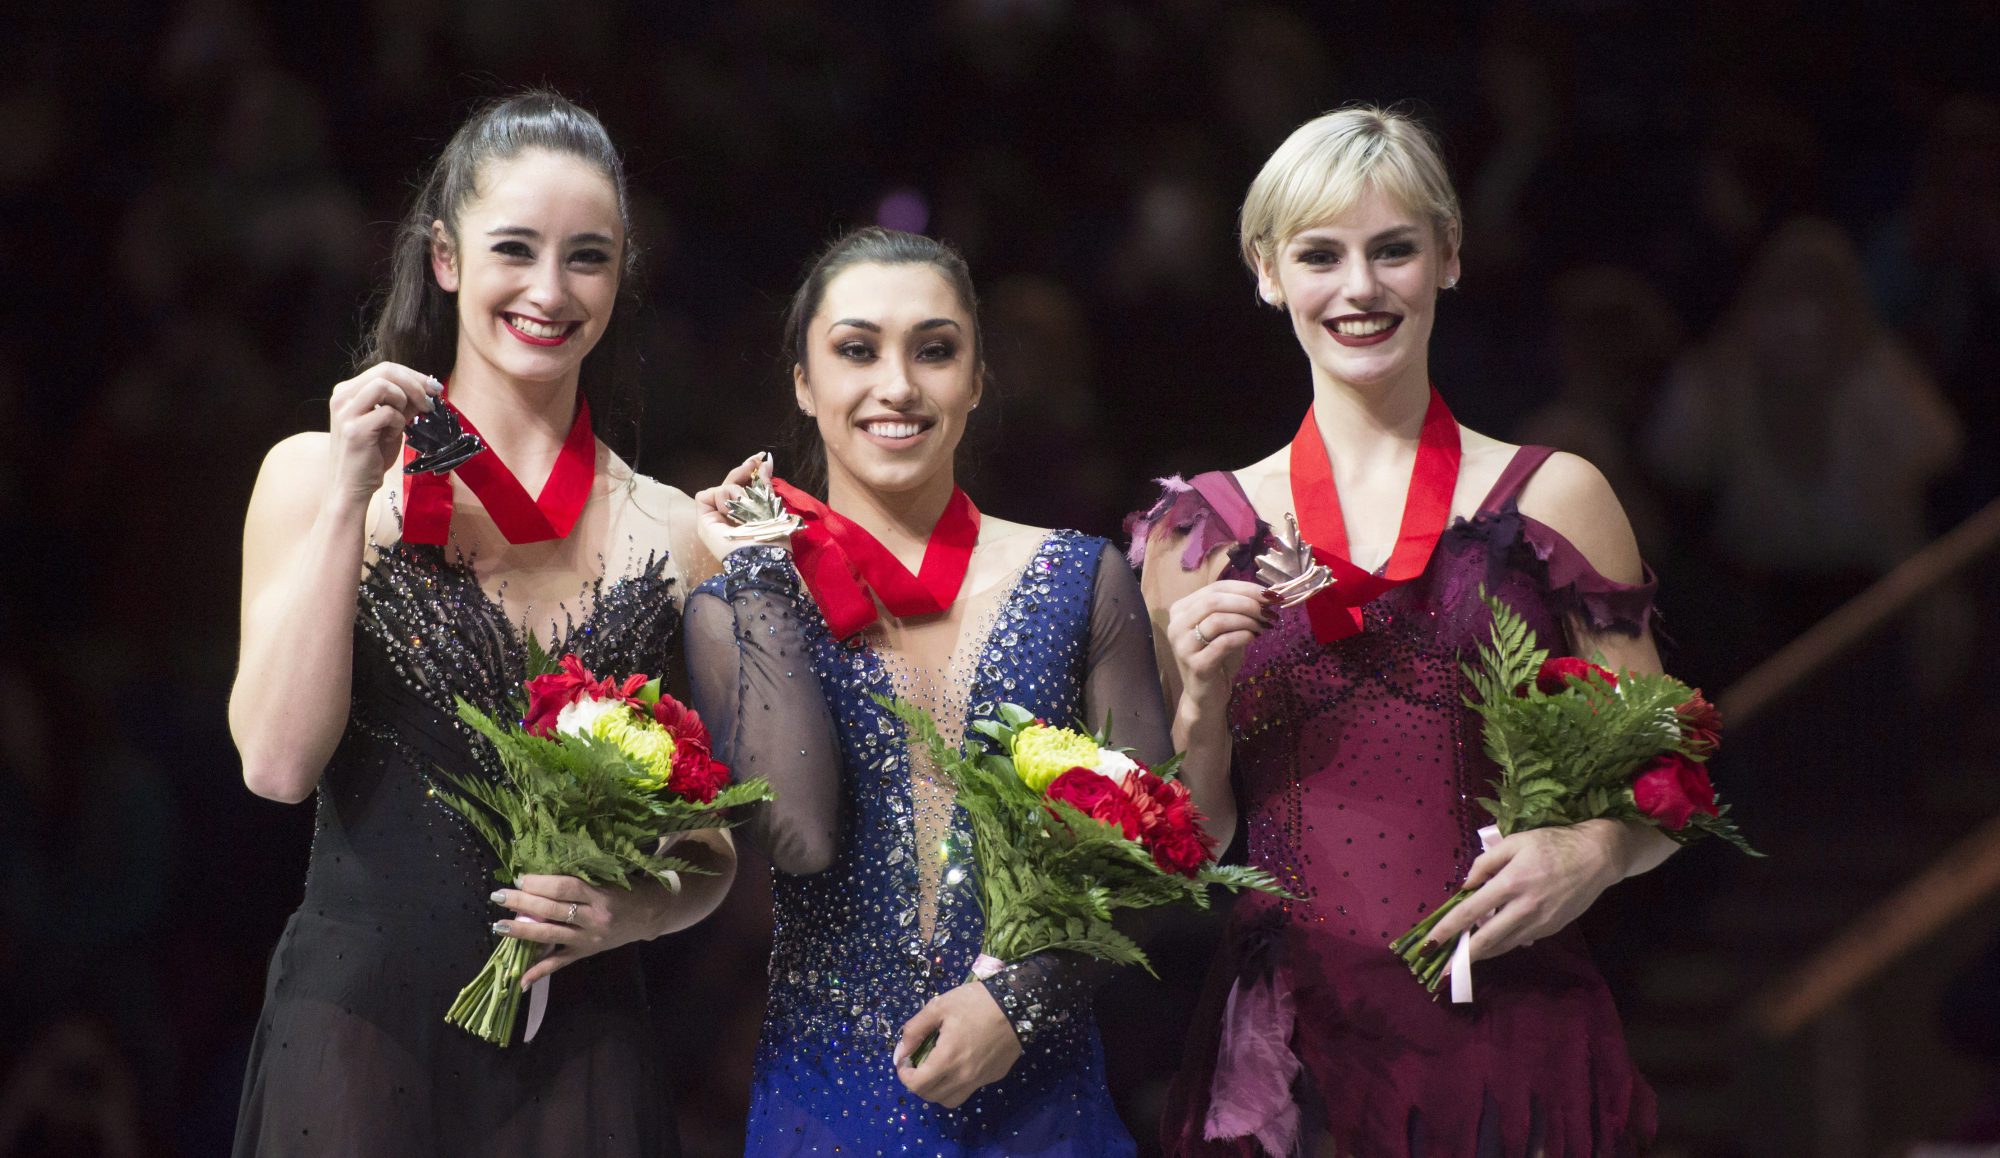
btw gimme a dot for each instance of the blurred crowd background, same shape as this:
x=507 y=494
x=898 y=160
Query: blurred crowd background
x=1743 y=255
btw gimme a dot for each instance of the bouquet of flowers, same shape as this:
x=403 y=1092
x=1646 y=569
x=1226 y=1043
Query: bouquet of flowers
x=1575 y=742
x=1066 y=829
x=596 y=778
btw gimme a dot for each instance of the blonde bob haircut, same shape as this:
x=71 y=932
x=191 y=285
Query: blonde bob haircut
x=1330 y=162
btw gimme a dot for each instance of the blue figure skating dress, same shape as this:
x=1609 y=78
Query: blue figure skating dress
x=874 y=908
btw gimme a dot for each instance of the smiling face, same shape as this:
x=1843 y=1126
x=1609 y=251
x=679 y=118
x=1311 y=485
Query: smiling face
x=889 y=376
x=535 y=264
x=1362 y=291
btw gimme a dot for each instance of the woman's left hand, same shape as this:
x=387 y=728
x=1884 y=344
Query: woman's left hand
x=976 y=1046
x=577 y=919
x=1534 y=884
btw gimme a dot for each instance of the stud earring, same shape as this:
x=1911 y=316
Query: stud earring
x=1450 y=282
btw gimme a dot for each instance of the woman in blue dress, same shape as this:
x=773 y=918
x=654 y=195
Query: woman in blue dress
x=898 y=586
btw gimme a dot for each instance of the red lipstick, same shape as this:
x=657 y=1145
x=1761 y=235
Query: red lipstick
x=1393 y=321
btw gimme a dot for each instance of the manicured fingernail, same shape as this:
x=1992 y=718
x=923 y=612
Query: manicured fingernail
x=1429 y=948
x=433 y=385
x=499 y=926
x=517 y=882
x=499 y=896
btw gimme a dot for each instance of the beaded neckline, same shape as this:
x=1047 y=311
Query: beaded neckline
x=596 y=596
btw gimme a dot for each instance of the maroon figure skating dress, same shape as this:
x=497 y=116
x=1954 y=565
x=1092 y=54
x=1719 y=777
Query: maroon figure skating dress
x=1356 y=766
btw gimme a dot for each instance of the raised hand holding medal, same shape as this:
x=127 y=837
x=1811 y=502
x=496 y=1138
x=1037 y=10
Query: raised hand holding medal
x=757 y=513
x=440 y=441
x=1289 y=570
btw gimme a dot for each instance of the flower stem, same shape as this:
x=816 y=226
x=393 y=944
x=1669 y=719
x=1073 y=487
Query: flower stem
x=488 y=1007
x=1428 y=967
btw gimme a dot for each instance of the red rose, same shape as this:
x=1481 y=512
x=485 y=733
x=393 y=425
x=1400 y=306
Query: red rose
x=1559 y=672
x=1098 y=797
x=1700 y=722
x=1673 y=788
x=1182 y=852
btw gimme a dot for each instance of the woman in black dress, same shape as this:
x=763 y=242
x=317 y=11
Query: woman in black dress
x=371 y=598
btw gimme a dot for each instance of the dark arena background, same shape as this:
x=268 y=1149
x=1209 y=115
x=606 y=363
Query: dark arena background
x=1791 y=207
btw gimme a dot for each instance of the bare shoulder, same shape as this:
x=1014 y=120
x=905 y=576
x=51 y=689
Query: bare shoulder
x=291 y=486
x=659 y=517
x=1571 y=497
x=664 y=498
x=1484 y=454
x=307 y=450
x=293 y=475
x=1277 y=464
x=1482 y=460
x=1267 y=483
x=652 y=499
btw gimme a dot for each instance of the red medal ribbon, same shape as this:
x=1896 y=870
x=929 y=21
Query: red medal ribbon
x=1336 y=612
x=841 y=562
x=550 y=515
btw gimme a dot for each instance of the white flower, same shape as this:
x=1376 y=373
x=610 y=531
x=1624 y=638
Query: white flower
x=581 y=715
x=1115 y=766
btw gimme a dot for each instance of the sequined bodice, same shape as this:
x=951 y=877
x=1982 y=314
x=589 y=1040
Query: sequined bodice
x=1358 y=763
x=426 y=633
x=850 y=959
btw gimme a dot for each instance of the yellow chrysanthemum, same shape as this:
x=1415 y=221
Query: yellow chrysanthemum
x=1042 y=753
x=644 y=742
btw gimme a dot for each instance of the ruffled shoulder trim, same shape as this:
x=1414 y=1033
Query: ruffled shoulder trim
x=1210 y=509
x=1575 y=587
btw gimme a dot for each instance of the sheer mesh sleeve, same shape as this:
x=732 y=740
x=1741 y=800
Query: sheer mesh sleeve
x=753 y=683
x=1122 y=680
x=1122 y=677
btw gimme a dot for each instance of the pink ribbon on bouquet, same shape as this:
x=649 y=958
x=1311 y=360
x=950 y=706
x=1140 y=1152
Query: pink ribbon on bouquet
x=1461 y=956
x=538 y=994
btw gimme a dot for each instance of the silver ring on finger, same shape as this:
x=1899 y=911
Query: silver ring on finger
x=569 y=918
x=1201 y=635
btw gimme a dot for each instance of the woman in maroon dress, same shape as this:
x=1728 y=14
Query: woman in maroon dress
x=1354 y=759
